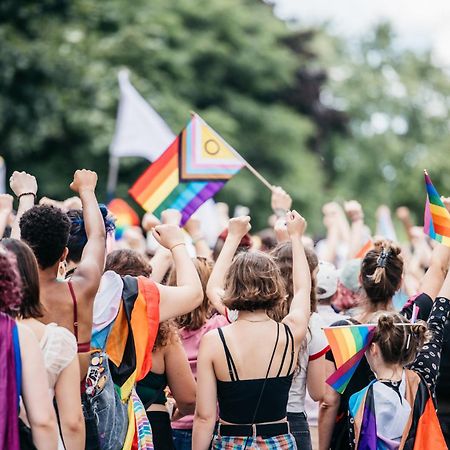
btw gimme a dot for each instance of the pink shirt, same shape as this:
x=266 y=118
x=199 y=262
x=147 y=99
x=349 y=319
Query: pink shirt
x=191 y=343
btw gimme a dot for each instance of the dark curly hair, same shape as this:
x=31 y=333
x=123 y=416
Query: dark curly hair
x=253 y=282
x=30 y=307
x=45 y=229
x=10 y=284
x=77 y=235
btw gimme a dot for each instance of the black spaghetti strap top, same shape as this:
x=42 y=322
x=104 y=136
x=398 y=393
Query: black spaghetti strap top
x=238 y=399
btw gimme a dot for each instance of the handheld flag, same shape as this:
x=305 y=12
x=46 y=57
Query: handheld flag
x=348 y=344
x=436 y=218
x=362 y=252
x=192 y=170
x=124 y=214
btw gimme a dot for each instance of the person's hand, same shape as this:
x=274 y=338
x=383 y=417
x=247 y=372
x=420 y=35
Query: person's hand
x=51 y=202
x=84 y=180
x=238 y=227
x=446 y=202
x=23 y=183
x=169 y=236
x=171 y=217
x=402 y=213
x=354 y=210
x=295 y=224
x=281 y=200
x=149 y=221
x=6 y=203
x=280 y=229
x=193 y=227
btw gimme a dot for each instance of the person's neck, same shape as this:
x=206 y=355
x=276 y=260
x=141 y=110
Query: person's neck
x=48 y=275
x=254 y=316
x=389 y=372
x=370 y=308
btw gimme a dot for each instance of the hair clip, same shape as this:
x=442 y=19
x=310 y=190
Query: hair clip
x=382 y=259
x=408 y=341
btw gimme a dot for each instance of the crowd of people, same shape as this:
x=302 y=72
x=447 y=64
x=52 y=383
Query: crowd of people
x=162 y=340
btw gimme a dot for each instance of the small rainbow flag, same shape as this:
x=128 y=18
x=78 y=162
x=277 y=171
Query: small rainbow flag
x=192 y=170
x=436 y=218
x=124 y=214
x=348 y=344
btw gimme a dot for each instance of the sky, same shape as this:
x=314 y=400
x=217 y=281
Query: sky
x=419 y=24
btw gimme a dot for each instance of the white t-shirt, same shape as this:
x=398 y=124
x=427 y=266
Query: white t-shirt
x=316 y=346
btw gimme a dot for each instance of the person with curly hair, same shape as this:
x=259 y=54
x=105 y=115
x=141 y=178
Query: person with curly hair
x=23 y=372
x=248 y=366
x=58 y=346
x=170 y=367
x=46 y=230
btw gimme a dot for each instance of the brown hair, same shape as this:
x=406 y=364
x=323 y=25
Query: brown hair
x=253 y=282
x=128 y=262
x=30 y=306
x=381 y=272
x=196 y=319
x=399 y=344
x=282 y=255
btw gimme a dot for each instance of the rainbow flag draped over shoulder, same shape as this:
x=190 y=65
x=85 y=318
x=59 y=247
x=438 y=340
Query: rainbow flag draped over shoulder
x=348 y=344
x=193 y=169
x=437 y=218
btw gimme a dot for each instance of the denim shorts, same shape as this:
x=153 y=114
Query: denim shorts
x=105 y=415
x=182 y=439
x=298 y=424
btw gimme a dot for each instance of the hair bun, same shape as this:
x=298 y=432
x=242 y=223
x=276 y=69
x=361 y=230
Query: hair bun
x=385 y=323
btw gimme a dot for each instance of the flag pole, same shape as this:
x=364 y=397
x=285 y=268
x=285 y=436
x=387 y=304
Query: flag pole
x=244 y=161
x=113 y=173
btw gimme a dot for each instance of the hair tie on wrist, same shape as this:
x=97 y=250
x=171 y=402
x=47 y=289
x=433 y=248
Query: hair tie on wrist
x=177 y=245
x=26 y=193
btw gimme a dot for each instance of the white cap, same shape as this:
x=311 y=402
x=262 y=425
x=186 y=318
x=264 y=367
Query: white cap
x=327 y=280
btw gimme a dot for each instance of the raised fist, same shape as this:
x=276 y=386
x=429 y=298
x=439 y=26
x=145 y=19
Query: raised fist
x=281 y=200
x=23 y=183
x=171 y=217
x=238 y=227
x=6 y=203
x=168 y=236
x=84 y=180
x=295 y=223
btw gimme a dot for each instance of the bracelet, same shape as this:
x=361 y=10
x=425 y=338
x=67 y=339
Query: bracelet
x=177 y=245
x=26 y=193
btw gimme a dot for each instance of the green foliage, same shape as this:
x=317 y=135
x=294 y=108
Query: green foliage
x=258 y=82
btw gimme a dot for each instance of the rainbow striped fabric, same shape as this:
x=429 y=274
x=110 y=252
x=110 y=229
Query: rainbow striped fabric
x=124 y=214
x=348 y=344
x=192 y=170
x=436 y=218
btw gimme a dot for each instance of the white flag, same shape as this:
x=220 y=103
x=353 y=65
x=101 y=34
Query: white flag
x=140 y=131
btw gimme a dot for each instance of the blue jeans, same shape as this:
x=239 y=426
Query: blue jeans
x=182 y=439
x=105 y=415
x=298 y=424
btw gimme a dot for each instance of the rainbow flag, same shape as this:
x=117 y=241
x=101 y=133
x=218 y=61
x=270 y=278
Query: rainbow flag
x=348 y=344
x=193 y=169
x=436 y=218
x=124 y=214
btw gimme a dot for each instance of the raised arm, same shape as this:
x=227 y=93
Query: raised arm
x=25 y=188
x=90 y=269
x=355 y=214
x=188 y=294
x=436 y=273
x=300 y=310
x=237 y=228
x=35 y=393
x=6 y=206
x=198 y=240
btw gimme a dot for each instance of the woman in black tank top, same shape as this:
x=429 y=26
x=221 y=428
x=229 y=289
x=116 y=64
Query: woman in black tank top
x=247 y=367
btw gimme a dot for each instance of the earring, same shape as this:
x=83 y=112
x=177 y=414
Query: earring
x=62 y=270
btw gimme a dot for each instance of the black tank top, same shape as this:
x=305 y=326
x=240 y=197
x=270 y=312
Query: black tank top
x=238 y=399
